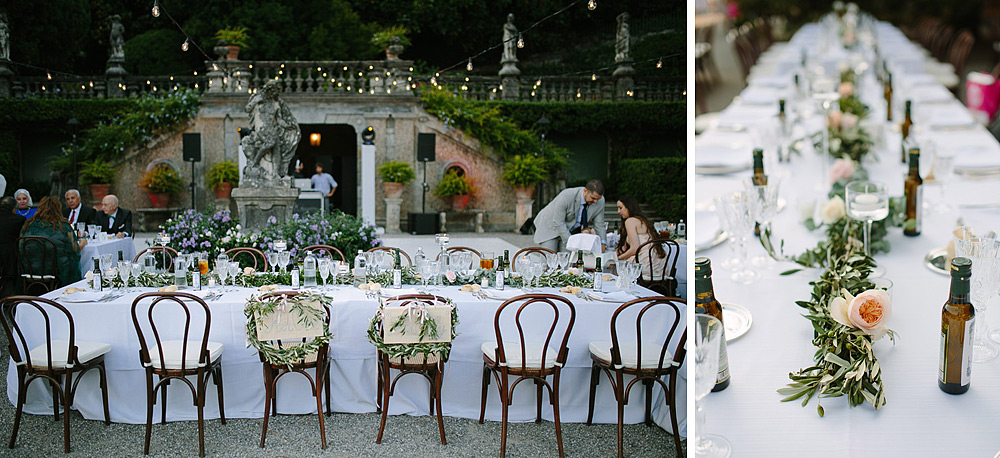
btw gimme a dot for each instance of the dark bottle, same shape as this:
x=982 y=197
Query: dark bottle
x=905 y=129
x=501 y=274
x=598 y=277
x=96 y=281
x=121 y=256
x=914 y=190
x=781 y=116
x=506 y=259
x=888 y=96
x=958 y=322
x=579 y=260
x=759 y=178
x=706 y=303
x=397 y=273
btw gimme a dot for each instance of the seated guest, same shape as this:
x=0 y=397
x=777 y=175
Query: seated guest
x=10 y=229
x=75 y=211
x=636 y=230
x=24 y=204
x=48 y=222
x=114 y=220
x=573 y=211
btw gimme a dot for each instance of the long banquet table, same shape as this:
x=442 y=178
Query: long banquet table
x=111 y=246
x=353 y=374
x=918 y=418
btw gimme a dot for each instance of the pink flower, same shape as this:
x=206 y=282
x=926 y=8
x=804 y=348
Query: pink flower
x=868 y=311
x=842 y=169
x=833 y=121
x=845 y=90
x=849 y=121
x=450 y=276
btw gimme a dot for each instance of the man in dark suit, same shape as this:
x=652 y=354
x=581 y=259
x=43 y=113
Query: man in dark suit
x=76 y=212
x=114 y=220
x=10 y=229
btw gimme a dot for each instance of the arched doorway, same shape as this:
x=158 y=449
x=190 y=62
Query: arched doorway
x=335 y=147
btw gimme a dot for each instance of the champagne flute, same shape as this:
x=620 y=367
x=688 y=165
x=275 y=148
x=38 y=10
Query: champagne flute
x=707 y=338
x=867 y=201
x=982 y=250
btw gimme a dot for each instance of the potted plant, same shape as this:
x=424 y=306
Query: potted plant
x=393 y=40
x=524 y=172
x=395 y=175
x=455 y=186
x=235 y=38
x=222 y=176
x=98 y=176
x=160 y=181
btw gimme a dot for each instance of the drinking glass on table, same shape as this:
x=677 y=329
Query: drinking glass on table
x=763 y=205
x=81 y=229
x=272 y=260
x=537 y=269
x=552 y=261
x=707 y=338
x=564 y=260
x=740 y=218
x=136 y=272
x=521 y=266
x=943 y=168
x=222 y=271
x=324 y=271
x=124 y=272
x=486 y=262
x=283 y=258
x=234 y=270
x=867 y=201
x=982 y=250
x=433 y=270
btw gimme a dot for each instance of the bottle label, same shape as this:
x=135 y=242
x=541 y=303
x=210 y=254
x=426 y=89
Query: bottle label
x=967 y=339
x=295 y=278
x=97 y=285
x=397 y=278
x=920 y=207
x=499 y=283
x=598 y=281
x=196 y=280
x=723 y=374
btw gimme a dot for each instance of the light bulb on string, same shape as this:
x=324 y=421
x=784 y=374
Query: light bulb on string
x=48 y=75
x=469 y=65
x=156 y=8
x=539 y=82
x=520 y=41
x=592 y=5
x=659 y=63
x=593 y=77
x=434 y=81
x=186 y=45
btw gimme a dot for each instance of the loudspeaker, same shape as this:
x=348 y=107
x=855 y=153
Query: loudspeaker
x=423 y=223
x=425 y=147
x=192 y=147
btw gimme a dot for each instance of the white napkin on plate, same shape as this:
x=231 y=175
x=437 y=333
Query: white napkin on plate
x=931 y=94
x=507 y=293
x=616 y=296
x=389 y=292
x=83 y=296
x=950 y=116
x=584 y=242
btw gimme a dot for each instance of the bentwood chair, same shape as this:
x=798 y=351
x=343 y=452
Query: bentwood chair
x=429 y=365
x=645 y=357
x=662 y=278
x=329 y=250
x=38 y=260
x=166 y=316
x=529 y=251
x=35 y=329
x=539 y=321
x=273 y=372
x=392 y=251
x=244 y=252
x=163 y=255
x=462 y=249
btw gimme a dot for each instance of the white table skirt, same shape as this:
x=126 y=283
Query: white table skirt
x=353 y=374
x=111 y=246
x=918 y=418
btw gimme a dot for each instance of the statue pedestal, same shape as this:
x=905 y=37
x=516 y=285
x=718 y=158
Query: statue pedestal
x=392 y=215
x=256 y=205
x=522 y=212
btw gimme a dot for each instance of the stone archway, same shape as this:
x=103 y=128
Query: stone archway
x=336 y=149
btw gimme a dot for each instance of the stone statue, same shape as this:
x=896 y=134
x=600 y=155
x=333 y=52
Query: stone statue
x=622 y=52
x=274 y=136
x=509 y=40
x=117 y=38
x=4 y=37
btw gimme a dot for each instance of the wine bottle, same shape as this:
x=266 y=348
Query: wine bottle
x=958 y=322
x=121 y=256
x=397 y=273
x=506 y=259
x=295 y=277
x=579 y=260
x=888 y=96
x=905 y=129
x=97 y=283
x=360 y=275
x=598 y=277
x=706 y=303
x=180 y=274
x=196 y=280
x=758 y=178
x=420 y=258
x=500 y=274
x=914 y=190
x=782 y=119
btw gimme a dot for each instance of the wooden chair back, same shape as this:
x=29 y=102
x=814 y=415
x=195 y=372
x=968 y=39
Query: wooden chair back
x=529 y=309
x=411 y=299
x=190 y=306
x=323 y=350
x=391 y=250
x=528 y=251
x=648 y=314
x=38 y=259
x=672 y=252
x=331 y=251
x=252 y=253
x=44 y=321
x=164 y=254
x=959 y=51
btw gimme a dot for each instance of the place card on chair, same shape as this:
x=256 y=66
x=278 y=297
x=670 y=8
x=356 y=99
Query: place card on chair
x=409 y=332
x=285 y=324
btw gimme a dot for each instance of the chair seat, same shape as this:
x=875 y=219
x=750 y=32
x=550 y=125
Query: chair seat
x=650 y=354
x=416 y=359
x=172 y=350
x=86 y=351
x=512 y=350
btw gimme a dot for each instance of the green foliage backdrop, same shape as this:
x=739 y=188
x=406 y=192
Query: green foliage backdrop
x=659 y=182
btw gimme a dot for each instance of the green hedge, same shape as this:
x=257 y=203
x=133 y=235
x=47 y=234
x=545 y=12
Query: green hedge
x=658 y=182
x=597 y=116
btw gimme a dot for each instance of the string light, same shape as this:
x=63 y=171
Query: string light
x=539 y=82
x=186 y=45
x=659 y=63
x=48 y=75
x=469 y=65
x=156 y=8
x=434 y=81
x=592 y=5
x=593 y=77
x=578 y=93
x=520 y=41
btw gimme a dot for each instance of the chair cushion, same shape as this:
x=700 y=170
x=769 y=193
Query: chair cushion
x=650 y=354
x=85 y=352
x=512 y=350
x=172 y=350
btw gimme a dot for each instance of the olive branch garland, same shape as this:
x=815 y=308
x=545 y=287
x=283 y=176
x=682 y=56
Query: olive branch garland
x=287 y=355
x=413 y=349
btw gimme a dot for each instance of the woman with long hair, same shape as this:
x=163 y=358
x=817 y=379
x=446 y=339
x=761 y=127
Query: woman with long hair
x=636 y=230
x=49 y=222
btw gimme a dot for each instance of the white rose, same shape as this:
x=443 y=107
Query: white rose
x=832 y=210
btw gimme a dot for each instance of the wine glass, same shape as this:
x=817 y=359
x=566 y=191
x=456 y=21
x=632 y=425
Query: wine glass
x=707 y=338
x=537 y=269
x=136 y=272
x=522 y=265
x=552 y=260
x=272 y=260
x=222 y=271
x=763 y=205
x=867 y=201
x=124 y=272
x=426 y=270
x=740 y=217
x=563 y=260
x=982 y=250
x=324 y=271
x=234 y=270
x=434 y=272
x=283 y=258
x=943 y=168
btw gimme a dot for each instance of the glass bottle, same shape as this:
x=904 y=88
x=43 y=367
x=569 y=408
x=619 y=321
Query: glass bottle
x=905 y=128
x=360 y=275
x=914 y=191
x=598 y=277
x=397 y=273
x=97 y=283
x=706 y=303
x=958 y=322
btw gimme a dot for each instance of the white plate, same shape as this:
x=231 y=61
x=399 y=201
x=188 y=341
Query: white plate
x=737 y=320
x=83 y=296
x=935 y=260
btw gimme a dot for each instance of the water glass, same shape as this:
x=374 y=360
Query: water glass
x=982 y=250
x=222 y=271
x=124 y=272
x=324 y=271
x=234 y=270
x=552 y=261
x=867 y=201
x=564 y=260
x=739 y=215
x=708 y=336
x=272 y=260
x=136 y=272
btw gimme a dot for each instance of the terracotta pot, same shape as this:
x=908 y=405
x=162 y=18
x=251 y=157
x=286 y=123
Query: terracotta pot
x=99 y=191
x=159 y=200
x=459 y=202
x=234 y=53
x=524 y=192
x=393 y=190
x=223 y=190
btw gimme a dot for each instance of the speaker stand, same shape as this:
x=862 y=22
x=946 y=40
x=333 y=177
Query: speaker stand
x=192 y=187
x=423 y=199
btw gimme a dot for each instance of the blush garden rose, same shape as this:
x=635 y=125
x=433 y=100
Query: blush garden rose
x=868 y=311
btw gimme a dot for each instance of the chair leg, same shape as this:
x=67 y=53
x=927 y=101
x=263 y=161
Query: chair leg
x=21 y=395
x=163 y=400
x=150 y=399
x=673 y=414
x=486 y=384
x=438 y=380
x=217 y=377
x=268 y=393
x=318 y=393
x=622 y=400
x=504 y=394
x=384 y=363
x=66 y=404
x=326 y=384
x=55 y=400
x=595 y=379
x=104 y=391
x=555 y=410
x=649 y=401
x=538 y=397
x=201 y=413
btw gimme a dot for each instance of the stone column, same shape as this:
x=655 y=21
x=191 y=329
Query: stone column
x=392 y=215
x=522 y=212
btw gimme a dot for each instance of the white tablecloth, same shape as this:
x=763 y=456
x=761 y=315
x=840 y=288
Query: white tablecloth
x=353 y=379
x=918 y=418
x=112 y=246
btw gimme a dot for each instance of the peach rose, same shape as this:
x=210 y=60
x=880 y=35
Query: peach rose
x=832 y=210
x=833 y=121
x=450 y=276
x=845 y=89
x=868 y=311
x=848 y=121
x=842 y=169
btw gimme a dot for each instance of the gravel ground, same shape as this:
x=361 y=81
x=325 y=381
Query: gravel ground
x=348 y=435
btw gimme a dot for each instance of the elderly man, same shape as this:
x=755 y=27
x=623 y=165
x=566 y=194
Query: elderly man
x=115 y=220
x=573 y=211
x=75 y=212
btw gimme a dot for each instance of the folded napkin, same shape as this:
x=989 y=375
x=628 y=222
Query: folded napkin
x=921 y=79
x=82 y=296
x=721 y=157
x=617 y=296
x=507 y=293
x=931 y=93
x=389 y=292
x=584 y=242
x=950 y=116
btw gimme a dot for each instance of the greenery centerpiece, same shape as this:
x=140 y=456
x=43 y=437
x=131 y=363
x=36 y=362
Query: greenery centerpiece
x=455 y=186
x=235 y=38
x=161 y=181
x=222 y=177
x=98 y=174
x=524 y=171
x=395 y=175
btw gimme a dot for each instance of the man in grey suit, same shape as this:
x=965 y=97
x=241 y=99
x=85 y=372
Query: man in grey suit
x=573 y=211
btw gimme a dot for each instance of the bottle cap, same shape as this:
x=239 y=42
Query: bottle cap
x=702 y=267
x=961 y=267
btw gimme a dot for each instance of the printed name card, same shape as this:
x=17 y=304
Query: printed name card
x=409 y=333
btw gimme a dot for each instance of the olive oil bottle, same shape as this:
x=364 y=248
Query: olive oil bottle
x=706 y=303
x=958 y=324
